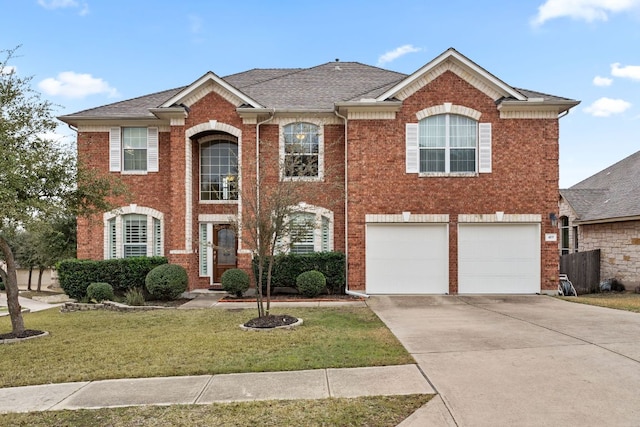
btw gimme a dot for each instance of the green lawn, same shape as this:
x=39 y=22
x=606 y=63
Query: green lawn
x=95 y=345
x=378 y=411
x=621 y=301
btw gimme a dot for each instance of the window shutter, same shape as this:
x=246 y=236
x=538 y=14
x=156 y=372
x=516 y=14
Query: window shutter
x=484 y=156
x=412 y=152
x=114 y=149
x=204 y=271
x=152 y=149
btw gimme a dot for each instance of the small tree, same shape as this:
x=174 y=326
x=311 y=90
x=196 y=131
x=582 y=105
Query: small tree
x=268 y=218
x=39 y=178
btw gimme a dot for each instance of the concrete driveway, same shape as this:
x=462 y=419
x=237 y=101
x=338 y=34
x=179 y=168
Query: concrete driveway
x=522 y=360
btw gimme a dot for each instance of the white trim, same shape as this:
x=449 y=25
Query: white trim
x=413 y=218
x=150 y=213
x=480 y=218
x=449 y=108
x=461 y=65
x=204 y=82
x=319 y=213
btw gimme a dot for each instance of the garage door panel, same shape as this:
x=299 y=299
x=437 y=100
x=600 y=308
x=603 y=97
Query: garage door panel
x=498 y=258
x=407 y=259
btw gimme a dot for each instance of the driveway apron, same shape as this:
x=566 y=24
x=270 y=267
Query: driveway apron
x=522 y=360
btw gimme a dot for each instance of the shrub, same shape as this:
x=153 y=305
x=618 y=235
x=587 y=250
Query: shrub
x=235 y=281
x=286 y=269
x=134 y=296
x=123 y=274
x=167 y=281
x=100 y=291
x=311 y=283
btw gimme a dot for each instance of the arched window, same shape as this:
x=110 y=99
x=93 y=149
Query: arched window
x=310 y=230
x=135 y=231
x=301 y=150
x=219 y=169
x=448 y=143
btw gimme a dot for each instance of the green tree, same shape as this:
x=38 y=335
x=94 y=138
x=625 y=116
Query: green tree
x=39 y=177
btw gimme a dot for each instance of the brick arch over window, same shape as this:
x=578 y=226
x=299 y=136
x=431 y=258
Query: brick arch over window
x=213 y=125
x=114 y=241
x=448 y=108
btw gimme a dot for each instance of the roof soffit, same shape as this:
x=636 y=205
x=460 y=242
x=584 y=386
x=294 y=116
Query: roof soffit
x=207 y=84
x=452 y=60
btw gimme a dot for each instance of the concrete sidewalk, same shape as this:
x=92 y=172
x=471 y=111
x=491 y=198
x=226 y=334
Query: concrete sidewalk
x=27 y=304
x=207 y=389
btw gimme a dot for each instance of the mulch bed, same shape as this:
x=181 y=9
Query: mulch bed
x=271 y=321
x=292 y=298
x=27 y=334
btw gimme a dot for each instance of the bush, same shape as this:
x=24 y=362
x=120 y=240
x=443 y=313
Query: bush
x=287 y=268
x=134 y=297
x=235 y=281
x=123 y=274
x=100 y=291
x=167 y=281
x=311 y=283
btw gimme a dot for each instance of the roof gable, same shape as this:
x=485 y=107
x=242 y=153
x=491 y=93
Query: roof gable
x=452 y=60
x=206 y=84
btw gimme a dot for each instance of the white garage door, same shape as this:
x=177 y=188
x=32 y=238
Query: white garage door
x=407 y=259
x=498 y=258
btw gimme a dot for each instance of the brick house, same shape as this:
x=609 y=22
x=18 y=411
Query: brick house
x=603 y=212
x=441 y=181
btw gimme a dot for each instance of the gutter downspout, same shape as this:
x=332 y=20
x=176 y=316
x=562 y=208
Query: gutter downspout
x=346 y=209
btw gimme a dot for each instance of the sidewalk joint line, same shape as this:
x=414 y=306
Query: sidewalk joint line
x=195 y=401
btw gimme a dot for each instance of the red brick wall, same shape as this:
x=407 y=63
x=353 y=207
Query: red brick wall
x=524 y=178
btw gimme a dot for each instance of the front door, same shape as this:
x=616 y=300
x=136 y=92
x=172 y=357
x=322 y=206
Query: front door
x=225 y=247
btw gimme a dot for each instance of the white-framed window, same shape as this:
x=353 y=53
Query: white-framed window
x=448 y=144
x=310 y=230
x=302 y=150
x=133 y=231
x=219 y=169
x=564 y=235
x=133 y=149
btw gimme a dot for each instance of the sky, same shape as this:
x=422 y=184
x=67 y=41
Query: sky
x=87 y=53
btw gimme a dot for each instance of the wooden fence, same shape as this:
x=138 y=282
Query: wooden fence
x=583 y=269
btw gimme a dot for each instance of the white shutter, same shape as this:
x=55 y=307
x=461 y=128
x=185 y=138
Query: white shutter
x=412 y=152
x=152 y=149
x=114 y=149
x=484 y=146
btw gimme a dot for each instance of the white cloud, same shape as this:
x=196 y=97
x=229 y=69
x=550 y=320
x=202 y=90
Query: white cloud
x=602 y=81
x=397 y=53
x=8 y=69
x=195 y=24
x=629 y=72
x=587 y=10
x=74 y=85
x=62 y=4
x=604 y=107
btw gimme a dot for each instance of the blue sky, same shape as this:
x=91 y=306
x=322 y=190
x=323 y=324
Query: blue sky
x=87 y=53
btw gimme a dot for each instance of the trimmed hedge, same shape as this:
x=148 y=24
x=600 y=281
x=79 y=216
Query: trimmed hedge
x=123 y=274
x=288 y=267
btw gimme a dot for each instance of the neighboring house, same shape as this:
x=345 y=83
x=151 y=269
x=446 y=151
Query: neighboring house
x=603 y=212
x=442 y=181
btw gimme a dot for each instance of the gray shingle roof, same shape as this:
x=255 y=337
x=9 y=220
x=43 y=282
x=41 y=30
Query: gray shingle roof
x=315 y=88
x=610 y=193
